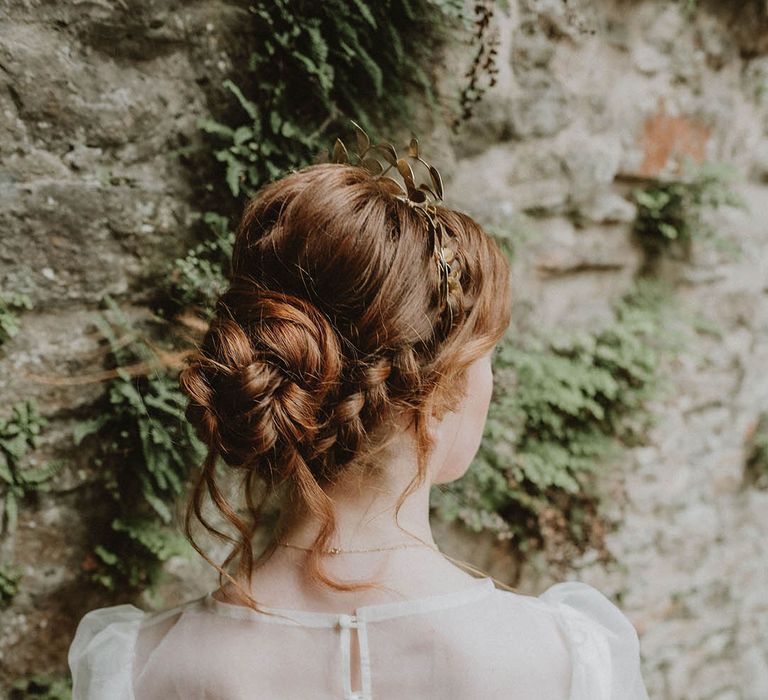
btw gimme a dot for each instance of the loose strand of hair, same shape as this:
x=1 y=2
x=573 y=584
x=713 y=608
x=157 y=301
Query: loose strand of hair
x=194 y=511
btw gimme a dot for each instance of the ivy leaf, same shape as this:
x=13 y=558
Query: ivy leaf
x=88 y=427
x=235 y=171
x=43 y=474
x=5 y=471
x=11 y=514
x=668 y=230
x=365 y=12
x=245 y=103
x=213 y=127
x=109 y=558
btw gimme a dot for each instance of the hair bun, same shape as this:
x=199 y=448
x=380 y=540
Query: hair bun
x=267 y=366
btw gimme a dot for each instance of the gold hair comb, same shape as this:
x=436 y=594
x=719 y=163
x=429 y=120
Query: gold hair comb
x=444 y=244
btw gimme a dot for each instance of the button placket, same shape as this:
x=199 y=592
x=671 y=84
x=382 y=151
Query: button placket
x=345 y=624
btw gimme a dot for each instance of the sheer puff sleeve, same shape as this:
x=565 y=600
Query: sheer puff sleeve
x=101 y=654
x=604 y=644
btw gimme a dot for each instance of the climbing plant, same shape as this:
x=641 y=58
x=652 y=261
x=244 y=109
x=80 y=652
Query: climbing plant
x=10 y=304
x=756 y=467
x=482 y=73
x=41 y=687
x=672 y=214
x=202 y=275
x=9 y=583
x=317 y=65
x=18 y=434
x=145 y=451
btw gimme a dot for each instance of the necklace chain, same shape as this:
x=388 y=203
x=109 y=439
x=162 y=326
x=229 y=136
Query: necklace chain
x=338 y=550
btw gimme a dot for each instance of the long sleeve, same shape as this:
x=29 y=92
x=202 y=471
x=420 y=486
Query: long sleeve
x=101 y=654
x=604 y=644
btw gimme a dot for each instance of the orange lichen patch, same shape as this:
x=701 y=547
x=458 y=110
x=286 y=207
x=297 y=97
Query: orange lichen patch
x=668 y=139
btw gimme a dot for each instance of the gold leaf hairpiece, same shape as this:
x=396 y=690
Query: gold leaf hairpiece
x=380 y=160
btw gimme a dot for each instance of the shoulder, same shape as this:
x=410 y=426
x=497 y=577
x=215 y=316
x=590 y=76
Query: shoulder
x=100 y=655
x=603 y=642
x=107 y=646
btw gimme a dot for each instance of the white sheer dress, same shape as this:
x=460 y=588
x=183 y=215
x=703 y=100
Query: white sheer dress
x=478 y=643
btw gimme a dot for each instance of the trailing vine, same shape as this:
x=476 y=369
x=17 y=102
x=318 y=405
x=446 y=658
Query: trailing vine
x=318 y=65
x=482 y=73
x=20 y=483
x=145 y=452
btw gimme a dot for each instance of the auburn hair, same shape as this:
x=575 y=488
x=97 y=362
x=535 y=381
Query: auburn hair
x=329 y=329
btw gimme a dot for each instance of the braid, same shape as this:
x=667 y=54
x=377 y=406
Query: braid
x=353 y=416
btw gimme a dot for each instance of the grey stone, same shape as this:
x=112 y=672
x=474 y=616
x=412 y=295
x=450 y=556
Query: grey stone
x=608 y=207
x=541 y=109
x=591 y=163
x=531 y=47
x=648 y=59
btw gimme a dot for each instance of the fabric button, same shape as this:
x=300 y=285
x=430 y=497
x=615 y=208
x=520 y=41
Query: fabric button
x=347 y=621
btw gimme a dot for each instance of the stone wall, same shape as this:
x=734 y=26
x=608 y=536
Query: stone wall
x=593 y=96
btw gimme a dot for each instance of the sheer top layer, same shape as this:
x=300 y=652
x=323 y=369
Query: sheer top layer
x=569 y=643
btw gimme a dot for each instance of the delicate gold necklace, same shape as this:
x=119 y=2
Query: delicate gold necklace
x=338 y=550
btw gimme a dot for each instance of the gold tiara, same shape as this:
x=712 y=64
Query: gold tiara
x=380 y=160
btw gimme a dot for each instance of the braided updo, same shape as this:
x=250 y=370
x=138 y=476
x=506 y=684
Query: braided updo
x=329 y=330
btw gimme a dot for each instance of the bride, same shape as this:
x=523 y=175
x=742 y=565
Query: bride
x=346 y=371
